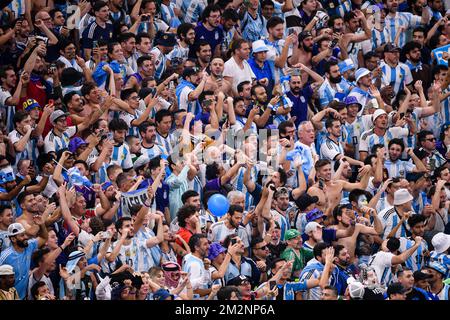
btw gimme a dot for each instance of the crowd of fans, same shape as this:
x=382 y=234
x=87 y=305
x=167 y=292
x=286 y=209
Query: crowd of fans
x=228 y=149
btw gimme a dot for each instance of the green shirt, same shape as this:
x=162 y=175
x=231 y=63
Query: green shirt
x=300 y=257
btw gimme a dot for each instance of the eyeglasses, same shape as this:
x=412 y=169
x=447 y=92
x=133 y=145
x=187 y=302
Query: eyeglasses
x=262 y=248
x=431 y=139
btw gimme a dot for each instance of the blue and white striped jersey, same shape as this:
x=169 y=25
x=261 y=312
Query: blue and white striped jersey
x=400 y=76
x=327 y=93
x=152 y=152
x=198 y=275
x=101 y=176
x=282 y=222
x=275 y=49
x=355 y=130
x=233 y=271
x=121 y=156
x=382 y=263
x=54 y=143
x=417 y=260
x=158 y=25
x=219 y=231
x=160 y=60
x=192 y=10
x=179 y=52
x=379 y=37
x=445 y=106
x=369 y=138
x=398 y=168
x=166 y=143
x=401 y=19
x=168 y=15
x=253 y=29
x=330 y=150
x=362 y=96
x=390 y=219
x=30 y=152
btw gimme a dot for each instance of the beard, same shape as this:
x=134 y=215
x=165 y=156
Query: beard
x=306 y=48
x=335 y=80
x=22 y=244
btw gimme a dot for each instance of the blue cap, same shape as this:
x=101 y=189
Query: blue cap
x=75 y=143
x=349 y=100
x=214 y=250
x=314 y=214
x=162 y=294
x=30 y=104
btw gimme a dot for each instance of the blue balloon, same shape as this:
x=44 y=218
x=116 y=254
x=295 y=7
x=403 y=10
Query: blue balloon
x=218 y=205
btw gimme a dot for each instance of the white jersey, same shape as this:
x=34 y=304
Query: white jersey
x=330 y=150
x=390 y=219
x=198 y=275
x=382 y=263
x=54 y=143
x=219 y=231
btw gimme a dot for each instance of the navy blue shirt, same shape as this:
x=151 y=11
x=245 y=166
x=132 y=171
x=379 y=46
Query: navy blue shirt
x=300 y=104
x=214 y=37
x=161 y=194
x=95 y=32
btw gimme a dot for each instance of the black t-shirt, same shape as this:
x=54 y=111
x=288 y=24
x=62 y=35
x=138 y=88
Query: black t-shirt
x=415 y=295
x=373 y=294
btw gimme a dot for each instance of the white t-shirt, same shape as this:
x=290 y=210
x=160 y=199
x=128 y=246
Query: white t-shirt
x=238 y=75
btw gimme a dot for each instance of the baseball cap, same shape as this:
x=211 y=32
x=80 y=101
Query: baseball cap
x=214 y=250
x=390 y=48
x=141 y=161
x=162 y=294
x=75 y=143
x=402 y=196
x=396 y=288
x=303 y=35
x=305 y=200
x=259 y=46
x=441 y=242
x=15 y=228
x=165 y=39
x=377 y=113
x=57 y=114
x=361 y=72
x=190 y=72
x=312 y=226
x=419 y=275
x=6 y=270
x=314 y=214
x=349 y=100
x=237 y=281
x=30 y=104
x=74 y=257
x=291 y=234
x=355 y=288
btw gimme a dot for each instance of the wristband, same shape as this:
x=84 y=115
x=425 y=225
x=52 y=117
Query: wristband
x=61 y=248
x=147 y=204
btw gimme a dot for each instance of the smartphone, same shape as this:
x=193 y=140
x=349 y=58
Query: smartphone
x=272 y=284
x=94 y=44
x=334 y=42
x=402 y=115
x=321 y=184
x=233 y=241
x=144 y=18
x=291 y=31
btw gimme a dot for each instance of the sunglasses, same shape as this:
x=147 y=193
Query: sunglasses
x=262 y=248
x=431 y=139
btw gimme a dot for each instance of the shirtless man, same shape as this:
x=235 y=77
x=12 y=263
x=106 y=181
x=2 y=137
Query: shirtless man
x=344 y=217
x=216 y=82
x=306 y=44
x=333 y=188
x=29 y=206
